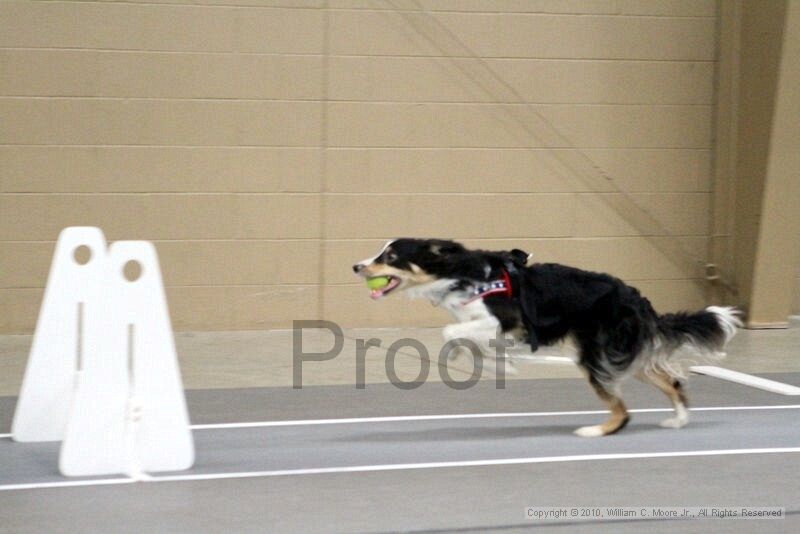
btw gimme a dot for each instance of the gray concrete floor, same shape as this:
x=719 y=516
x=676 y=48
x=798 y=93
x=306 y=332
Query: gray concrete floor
x=242 y=377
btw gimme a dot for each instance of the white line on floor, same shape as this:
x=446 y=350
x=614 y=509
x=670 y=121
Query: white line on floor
x=409 y=466
x=68 y=484
x=401 y=418
x=474 y=463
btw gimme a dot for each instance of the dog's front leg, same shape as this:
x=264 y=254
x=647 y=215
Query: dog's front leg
x=480 y=333
x=471 y=331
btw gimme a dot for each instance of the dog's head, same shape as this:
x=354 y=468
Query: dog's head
x=410 y=262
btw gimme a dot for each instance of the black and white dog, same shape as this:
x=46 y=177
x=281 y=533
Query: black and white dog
x=616 y=329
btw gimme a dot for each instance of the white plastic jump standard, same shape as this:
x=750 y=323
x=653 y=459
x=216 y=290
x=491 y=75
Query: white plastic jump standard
x=49 y=383
x=127 y=408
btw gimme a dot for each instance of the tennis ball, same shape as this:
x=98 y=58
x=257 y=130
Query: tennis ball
x=378 y=282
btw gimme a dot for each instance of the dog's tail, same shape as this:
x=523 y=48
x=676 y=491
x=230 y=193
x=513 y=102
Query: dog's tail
x=691 y=338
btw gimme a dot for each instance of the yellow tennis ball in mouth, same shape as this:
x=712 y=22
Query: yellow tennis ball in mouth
x=378 y=282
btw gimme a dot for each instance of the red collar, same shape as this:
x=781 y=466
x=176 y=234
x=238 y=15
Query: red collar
x=501 y=286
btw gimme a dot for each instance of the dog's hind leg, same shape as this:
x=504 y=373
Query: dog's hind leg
x=619 y=413
x=672 y=389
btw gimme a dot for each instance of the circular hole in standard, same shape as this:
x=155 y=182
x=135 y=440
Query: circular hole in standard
x=132 y=270
x=82 y=255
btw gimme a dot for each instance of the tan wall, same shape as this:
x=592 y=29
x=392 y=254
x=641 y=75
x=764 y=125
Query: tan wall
x=756 y=157
x=796 y=305
x=264 y=149
x=778 y=255
x=761 y=37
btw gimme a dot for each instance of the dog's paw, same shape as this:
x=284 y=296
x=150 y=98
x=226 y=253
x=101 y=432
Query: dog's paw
x=674 y=422
x=593 y=431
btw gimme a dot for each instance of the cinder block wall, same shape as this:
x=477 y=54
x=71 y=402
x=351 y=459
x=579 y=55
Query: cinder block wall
x=796 y=306
x=266 y=145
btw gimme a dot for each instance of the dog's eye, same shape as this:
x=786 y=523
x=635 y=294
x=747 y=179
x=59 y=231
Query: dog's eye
x=390 y=256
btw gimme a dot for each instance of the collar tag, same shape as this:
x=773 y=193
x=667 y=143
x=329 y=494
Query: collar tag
x=494 y=287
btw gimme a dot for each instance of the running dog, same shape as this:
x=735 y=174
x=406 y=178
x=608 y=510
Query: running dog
x=616 y=330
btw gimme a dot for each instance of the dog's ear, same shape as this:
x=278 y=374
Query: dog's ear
x=443 y=248
x=520 y=257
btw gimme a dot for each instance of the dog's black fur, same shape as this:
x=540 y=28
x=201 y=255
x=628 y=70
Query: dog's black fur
x=612 y=324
